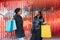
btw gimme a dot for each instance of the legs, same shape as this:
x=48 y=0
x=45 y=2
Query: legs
x=33 y=36
x=21 y=38
x=38 y=34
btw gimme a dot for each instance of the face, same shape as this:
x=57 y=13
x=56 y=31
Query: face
x=37 y=13
x=20 y=12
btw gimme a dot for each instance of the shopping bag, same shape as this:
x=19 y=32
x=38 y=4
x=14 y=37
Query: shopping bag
x=10 y=26
x=13 y=25
x=45 y=31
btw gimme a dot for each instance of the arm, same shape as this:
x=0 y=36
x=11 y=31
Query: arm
x=44 y=21
x=35 y=23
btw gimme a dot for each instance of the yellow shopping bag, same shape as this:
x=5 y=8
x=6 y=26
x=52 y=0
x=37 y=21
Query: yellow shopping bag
x=45 y=31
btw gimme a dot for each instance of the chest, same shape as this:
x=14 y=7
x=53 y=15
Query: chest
x=40 y=20
x=19 y=19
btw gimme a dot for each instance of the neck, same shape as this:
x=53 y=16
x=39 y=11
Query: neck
x=18 y=14
x=38 y=16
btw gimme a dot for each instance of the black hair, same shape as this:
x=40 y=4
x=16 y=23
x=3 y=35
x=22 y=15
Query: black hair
x=17 y=10
x=40 y=13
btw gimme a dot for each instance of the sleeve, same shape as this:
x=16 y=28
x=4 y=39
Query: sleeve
x=15 y=19
x=43 y=20
x=34 y=25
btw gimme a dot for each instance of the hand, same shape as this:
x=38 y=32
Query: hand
x=44 y=23
x=11 y=17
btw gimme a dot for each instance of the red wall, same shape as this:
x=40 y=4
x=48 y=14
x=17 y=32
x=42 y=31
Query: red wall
x=52 y=18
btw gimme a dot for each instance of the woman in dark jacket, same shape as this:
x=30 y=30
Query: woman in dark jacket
x=36 y=30
x=19 y=22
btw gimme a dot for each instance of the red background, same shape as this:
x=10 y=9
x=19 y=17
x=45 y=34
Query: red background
x=52 y=18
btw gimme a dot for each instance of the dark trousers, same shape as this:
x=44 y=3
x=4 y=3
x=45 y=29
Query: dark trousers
x=36 y=35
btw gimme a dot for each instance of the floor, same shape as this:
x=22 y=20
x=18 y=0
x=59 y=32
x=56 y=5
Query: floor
x=43 y=39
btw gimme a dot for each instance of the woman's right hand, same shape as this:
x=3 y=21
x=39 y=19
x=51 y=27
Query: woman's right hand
x=11 y=17
x=44 y=23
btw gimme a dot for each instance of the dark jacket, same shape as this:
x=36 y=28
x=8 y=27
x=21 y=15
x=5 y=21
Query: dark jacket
x=37 y=22
x=19 y=22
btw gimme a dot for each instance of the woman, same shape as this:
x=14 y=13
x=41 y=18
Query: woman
x=19 y=22
x=36 y=30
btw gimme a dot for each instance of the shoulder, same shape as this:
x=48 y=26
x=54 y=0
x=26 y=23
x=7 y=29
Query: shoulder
x=41 y=17
x=15 y=16
x=35 y=17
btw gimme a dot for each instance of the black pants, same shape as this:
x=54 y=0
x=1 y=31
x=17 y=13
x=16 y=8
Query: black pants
x=36 y=35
